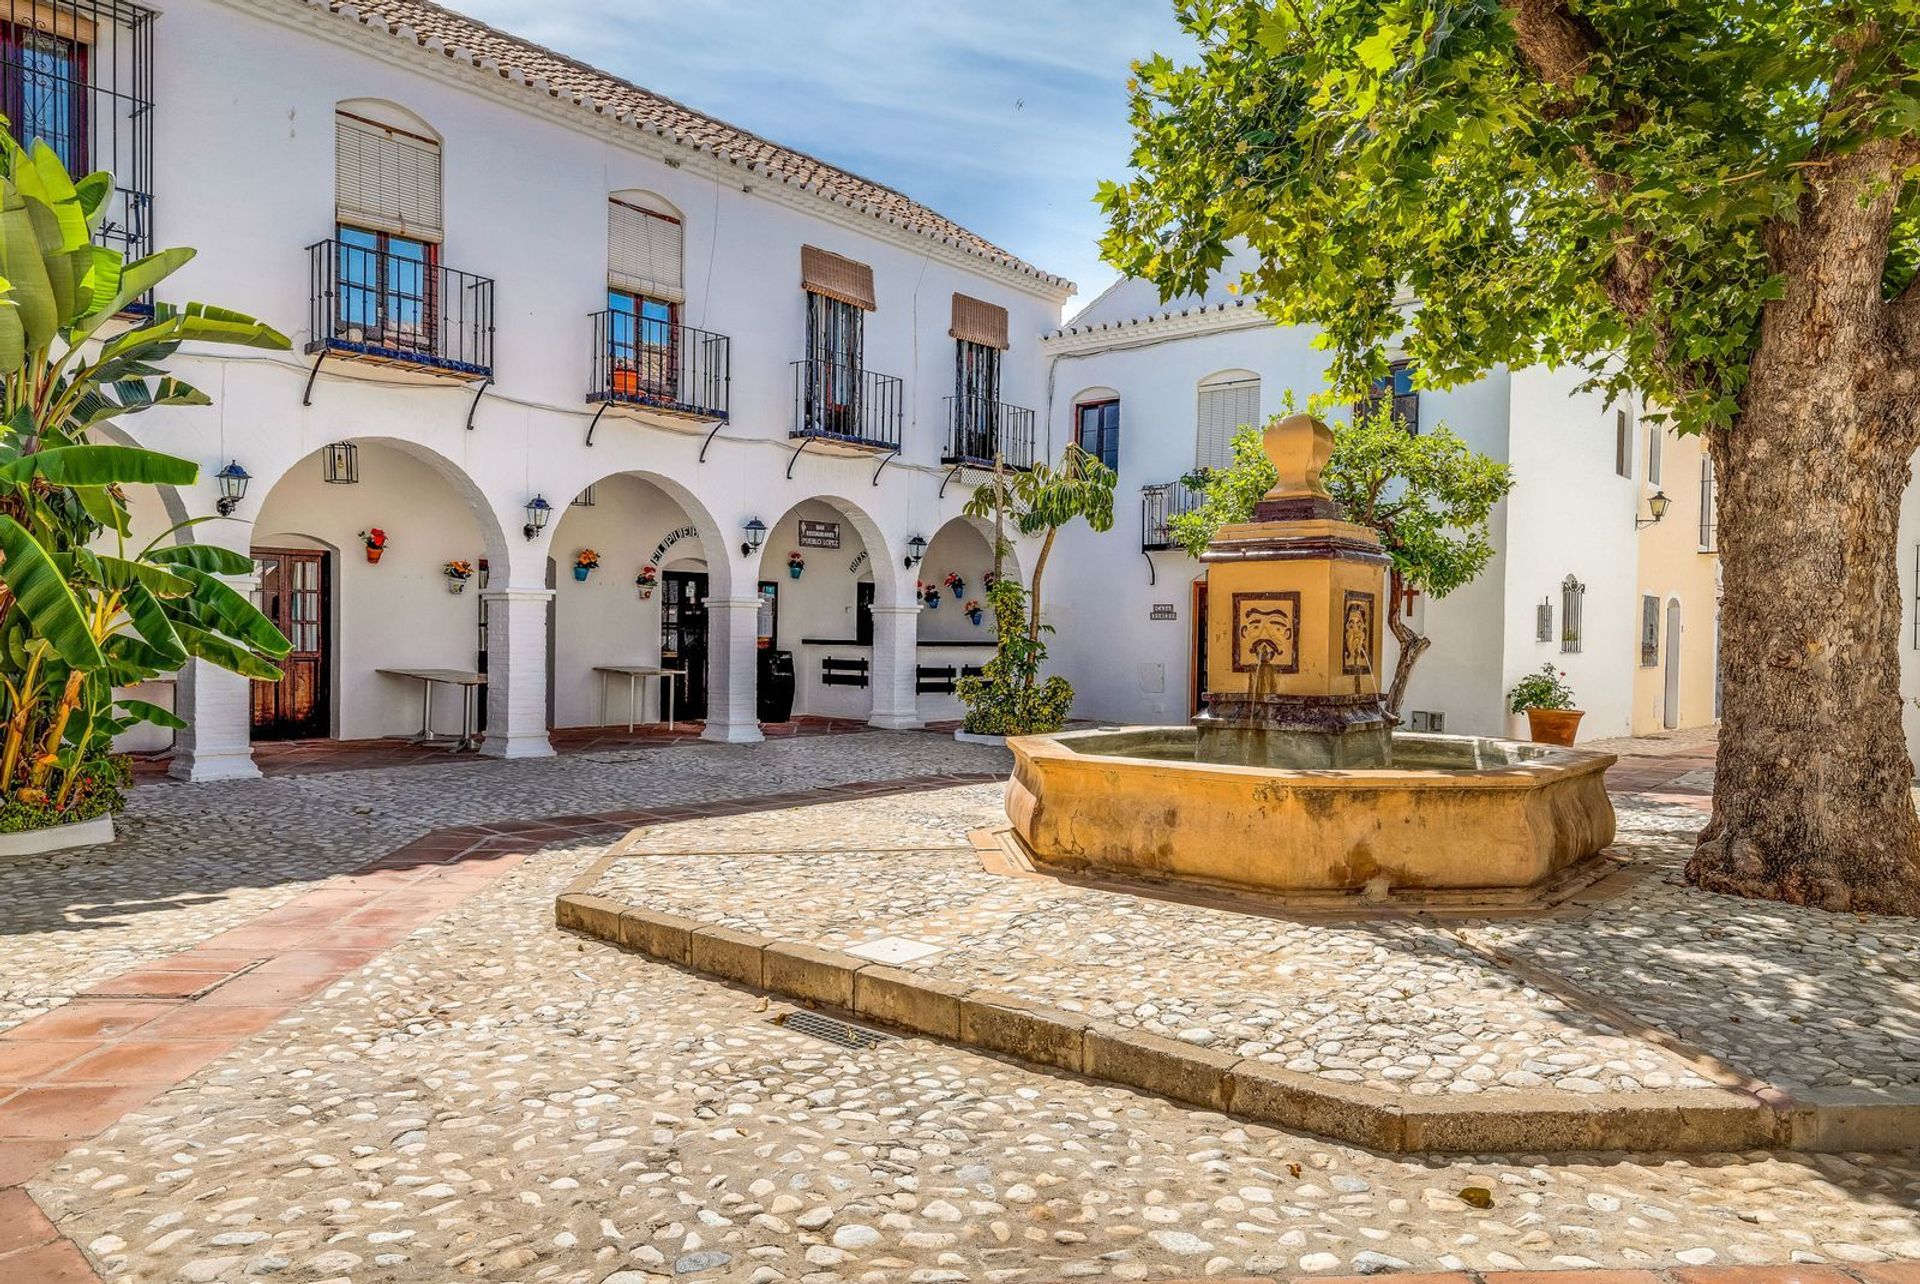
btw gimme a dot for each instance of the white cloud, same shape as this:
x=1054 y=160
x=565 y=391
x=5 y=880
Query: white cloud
x=1001 y=114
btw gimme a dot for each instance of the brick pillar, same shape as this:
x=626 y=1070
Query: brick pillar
x=896 y=668
x=733 y=626
x=517 y=673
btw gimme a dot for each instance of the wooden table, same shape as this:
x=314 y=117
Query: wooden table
x=633 y=673
x=468 y=682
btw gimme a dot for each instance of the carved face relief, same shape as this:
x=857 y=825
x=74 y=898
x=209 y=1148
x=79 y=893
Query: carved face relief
x=1356 y=634
x=1266 y=629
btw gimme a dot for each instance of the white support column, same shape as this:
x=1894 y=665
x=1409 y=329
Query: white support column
x=896 y=668
x=217 y=742
x=733 y=627
x=517 y=673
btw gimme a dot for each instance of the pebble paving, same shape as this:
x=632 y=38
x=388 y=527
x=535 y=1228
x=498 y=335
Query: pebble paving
x=494 y=1099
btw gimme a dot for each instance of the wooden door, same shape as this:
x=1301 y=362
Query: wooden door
x=683 y=636
x=1197 y=680
x=295 y=594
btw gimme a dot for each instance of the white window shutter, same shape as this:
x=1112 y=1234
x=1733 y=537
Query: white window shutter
x=386 y=180
x=643 y=252
x=1224 y=410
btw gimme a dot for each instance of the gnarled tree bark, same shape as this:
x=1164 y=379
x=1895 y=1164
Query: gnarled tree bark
x=1412 y=645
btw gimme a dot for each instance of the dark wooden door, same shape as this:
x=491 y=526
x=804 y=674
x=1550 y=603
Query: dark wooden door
x=294 y=593
x=1197 y=680
x=683 y=636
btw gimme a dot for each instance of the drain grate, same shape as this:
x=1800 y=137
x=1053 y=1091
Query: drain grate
x=839 y=1033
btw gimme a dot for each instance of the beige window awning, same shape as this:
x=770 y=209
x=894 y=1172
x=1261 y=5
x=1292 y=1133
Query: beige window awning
x=977 y=321
x=826 y=273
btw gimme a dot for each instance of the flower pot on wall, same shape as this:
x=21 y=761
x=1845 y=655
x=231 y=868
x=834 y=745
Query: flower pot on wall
x=373 y=554
x=581 y=572
x=456 y=586
x=973 y=617
x=1554 y=726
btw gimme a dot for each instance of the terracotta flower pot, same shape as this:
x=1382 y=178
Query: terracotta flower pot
x=1554 y=726
x=373 y=554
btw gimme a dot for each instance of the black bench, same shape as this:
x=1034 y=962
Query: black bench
x=933 y=680
x=836 y=672
x=971 y=671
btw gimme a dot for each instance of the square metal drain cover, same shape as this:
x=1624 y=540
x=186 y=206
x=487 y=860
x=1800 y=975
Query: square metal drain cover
x=835 y=1031
x=893 y=950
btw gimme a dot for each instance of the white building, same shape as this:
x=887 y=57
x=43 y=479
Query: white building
x=511 y=282
x=1177 y=380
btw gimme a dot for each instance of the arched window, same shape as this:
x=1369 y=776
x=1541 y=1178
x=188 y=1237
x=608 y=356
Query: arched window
x=1096 y=425
x=388 y=228
x=1229 y=401
x=644 y=292
x=1573 y=597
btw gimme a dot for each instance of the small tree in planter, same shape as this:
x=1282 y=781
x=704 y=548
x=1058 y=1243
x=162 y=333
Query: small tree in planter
x=76 y=620
x=1427 y=495
x=1547 y=701
x=1008 y=698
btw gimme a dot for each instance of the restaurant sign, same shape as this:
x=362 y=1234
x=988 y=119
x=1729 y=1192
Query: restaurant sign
x=819 y=534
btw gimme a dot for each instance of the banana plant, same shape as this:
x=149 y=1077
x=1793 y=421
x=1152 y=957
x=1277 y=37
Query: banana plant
x=81 y=613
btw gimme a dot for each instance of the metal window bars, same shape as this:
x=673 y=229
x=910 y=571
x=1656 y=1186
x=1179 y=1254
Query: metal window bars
x=655 y=364
x=979 y=429
x=399 y=306
x=1159 y=505
x=840 y=401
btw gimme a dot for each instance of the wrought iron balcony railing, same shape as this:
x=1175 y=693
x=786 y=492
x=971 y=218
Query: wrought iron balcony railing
x=842 y=402
x=979 y=430
x=78 y=75
x=394 y=305
x=1406 y=409
x=1159 y=505
x=660 y=365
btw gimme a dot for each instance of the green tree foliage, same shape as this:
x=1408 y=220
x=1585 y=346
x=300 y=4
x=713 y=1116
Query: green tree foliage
x=1428 y=496
x=80 y=612
x=1008 y=698
x=1712 y=205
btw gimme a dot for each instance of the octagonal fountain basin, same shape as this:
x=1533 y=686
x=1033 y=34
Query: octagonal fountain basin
x=1451 y=812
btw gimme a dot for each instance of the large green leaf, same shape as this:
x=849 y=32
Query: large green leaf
x=101 y=466
x=145 y=711
x=13 y=336
x=210 y=558
x=131 y=659
x=218 y=603
x=123 y=572
x=155 y=626
x=44 y=597
x=26 y=271
x=229 y=655
x=130 y=281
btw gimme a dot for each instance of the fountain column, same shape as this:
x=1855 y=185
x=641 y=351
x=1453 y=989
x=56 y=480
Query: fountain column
x=1294 y=602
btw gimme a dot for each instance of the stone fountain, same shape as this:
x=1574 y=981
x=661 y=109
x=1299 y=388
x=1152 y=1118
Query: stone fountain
x=1293 y=779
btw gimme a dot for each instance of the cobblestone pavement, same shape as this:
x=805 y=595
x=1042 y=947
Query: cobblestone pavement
x=497 y=1100
x=194 y=860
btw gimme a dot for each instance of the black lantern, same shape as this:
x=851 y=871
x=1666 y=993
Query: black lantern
x=342 y=463
x=756 y=536
x=916 y=551
x=233 y=481
x=1656 y=505
x=538 y=510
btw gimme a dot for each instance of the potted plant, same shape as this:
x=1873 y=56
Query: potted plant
x=974 y=613
x=1547 y=701
x=647 y=580
x=458 y=572
x=376 y=542
x=585 y=562
x=958 y=585
x=930 y=594
x=796 y=563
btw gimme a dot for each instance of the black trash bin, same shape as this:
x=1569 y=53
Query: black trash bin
x=773 y=700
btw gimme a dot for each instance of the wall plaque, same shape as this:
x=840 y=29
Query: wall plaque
x=1266 y=630
x=819 y=534
x=1163 y=611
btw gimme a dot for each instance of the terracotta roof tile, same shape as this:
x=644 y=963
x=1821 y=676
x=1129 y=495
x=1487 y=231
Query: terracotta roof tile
x=456 y=35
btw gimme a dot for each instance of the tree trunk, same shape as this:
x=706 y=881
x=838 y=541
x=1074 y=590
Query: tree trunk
x=1412 y=646
x=1812 y=801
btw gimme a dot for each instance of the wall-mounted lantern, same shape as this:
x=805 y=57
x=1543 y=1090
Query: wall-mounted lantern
x=1656 y=505
x=341 y=463
x=538 y=510
x=233 y=481
x=756 y=536
x=916 y=551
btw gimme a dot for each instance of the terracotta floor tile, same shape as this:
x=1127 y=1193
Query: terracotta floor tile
x=1890 y=1273
x=21 y=1159
x=1760 y=1275
x=378 y=937
x=22 y=1224
x=201 y=959
x=56 y=1263
x=266 y=939
x=90 y=1019
x=70 y=1111
x=261 y=990
x=1590 y=1277
x=157 y=983
x=26 y=1061
x=317 y=962
x=145 y=1061
x=1412 y=1277
x=199 y=1021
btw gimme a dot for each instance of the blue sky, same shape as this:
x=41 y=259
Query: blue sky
x=1001 y=114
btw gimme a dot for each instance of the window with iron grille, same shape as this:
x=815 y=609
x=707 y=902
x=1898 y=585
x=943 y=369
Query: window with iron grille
x=388 y=290
x=78 y=75
x=1709 y=507
x=1573 y=598
x=1649 y=632
x=1097 y=430
x=976 y=396
x=1396 y=385
x=835 y=334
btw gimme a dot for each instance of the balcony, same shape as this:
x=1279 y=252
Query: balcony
x=394 y=307
x=980 y=430
x=661 y=367
x=1159 y=505
x=78 y=74
x=1406 y=409
x=837 y=402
